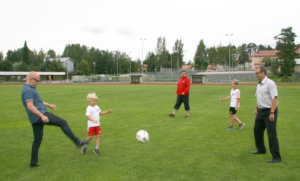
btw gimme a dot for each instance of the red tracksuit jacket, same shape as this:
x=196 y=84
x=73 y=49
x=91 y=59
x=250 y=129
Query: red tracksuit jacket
x=183 y=86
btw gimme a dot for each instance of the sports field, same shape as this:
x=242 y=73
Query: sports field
x=198 y=148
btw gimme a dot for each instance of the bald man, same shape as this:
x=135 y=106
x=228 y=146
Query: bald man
x=38 y=116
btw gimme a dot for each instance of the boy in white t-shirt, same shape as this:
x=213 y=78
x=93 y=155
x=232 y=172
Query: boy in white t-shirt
x=93 y=113
x=234 y=105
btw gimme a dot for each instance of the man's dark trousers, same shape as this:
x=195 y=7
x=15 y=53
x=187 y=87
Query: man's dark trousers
x=38 y=133
x=261 y=122
x=185 y=100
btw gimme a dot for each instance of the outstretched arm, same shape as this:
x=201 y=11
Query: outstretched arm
x=226 y=98
x=51 y=106
x=106 y=112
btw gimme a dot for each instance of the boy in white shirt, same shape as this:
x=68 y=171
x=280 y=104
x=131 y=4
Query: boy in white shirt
x=93 y=113
x=234 y=105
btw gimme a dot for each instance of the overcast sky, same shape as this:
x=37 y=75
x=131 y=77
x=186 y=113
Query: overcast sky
x=120 y=24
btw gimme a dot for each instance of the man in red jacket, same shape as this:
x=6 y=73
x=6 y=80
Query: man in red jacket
x=183 y=92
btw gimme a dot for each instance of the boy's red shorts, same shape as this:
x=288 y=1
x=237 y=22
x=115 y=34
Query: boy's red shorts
x=94 y=131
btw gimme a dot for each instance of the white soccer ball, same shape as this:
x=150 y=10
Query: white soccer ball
x=142 y=136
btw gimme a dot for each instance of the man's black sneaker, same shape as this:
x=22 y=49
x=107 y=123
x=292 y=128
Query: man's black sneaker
x=275 y=160
x=172 y=115
x=83 y=150
x=82 y=142
x=258 y=152
x=34 y=165
x=96 y=151
x=187 y=116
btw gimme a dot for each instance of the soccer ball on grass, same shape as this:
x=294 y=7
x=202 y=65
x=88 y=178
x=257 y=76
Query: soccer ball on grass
x=142 y=136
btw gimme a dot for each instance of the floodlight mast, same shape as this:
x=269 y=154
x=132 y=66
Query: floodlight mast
x=142 y=39
x=229 y=35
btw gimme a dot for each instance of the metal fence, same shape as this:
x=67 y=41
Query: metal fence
x=167 y=77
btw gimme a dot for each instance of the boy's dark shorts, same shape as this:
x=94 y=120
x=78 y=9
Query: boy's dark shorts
x=232 y=110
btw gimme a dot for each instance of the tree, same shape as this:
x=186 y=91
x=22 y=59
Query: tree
x=177 y=56
x=212 y=56
x=267 y=61
x=1 y=57
x=200 y=58
x=222 y=55
x=161 y=52
x=243 y=55
x=76 y=52
x=151 y=62
x=56 y=66
x=287 y=47
x=51 y=53
x=14 y=55
x=274 y=67
x=101 y=61
x=83 y=68
x=262 y=47
x=190 y=63
x=25 y=54
x=6 y=66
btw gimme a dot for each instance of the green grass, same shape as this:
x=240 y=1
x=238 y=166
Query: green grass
x=179 y=149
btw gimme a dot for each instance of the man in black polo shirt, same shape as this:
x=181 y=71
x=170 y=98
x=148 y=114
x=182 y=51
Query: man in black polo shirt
x=266 y=115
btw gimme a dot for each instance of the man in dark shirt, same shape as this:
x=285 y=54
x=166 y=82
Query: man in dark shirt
x=38 y=116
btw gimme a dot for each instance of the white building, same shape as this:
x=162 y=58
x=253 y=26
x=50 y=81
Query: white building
x=67 y=62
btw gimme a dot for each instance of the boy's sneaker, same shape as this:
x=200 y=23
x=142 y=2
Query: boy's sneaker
x=96 y=152
x=172 y=115
x=187 y=116
x=242 y=126
x=230 y=128
x=83 y=150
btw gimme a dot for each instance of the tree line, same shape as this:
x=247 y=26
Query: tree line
x=90 y=60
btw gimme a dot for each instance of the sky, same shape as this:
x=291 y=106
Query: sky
x=133 y=26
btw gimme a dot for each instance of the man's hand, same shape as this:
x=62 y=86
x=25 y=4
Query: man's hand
x=52 y=107
x=45 y=119
x=272 y=117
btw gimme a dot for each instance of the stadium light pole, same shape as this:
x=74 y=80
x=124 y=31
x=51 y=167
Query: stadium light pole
x=142 y=39
x=229 y=35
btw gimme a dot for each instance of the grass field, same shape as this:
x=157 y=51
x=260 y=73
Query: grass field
x=179 y=149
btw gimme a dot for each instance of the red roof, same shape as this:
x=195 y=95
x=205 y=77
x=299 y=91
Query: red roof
x=187 y=66
x=212 y=67
x=266 y=53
